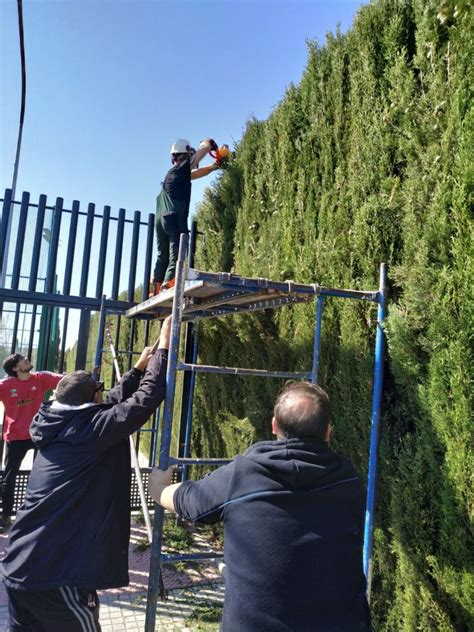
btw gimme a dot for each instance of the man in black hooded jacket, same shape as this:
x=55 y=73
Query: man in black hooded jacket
x=293 y=513
x=71 y=535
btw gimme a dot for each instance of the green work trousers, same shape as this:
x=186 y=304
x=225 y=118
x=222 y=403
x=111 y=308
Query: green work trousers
x=168 y=231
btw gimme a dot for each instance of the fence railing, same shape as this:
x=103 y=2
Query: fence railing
x=52 y=257
x=56 y=265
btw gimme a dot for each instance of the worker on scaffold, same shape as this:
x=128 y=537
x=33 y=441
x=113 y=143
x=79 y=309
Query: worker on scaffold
x=172 y=206
x=293 y=514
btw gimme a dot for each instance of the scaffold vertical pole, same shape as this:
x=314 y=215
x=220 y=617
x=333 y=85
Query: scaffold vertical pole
x=133 y=452
x=375 y=429
x=189 y=414
x=188 y=377
x=317 y=338
x=165 y=445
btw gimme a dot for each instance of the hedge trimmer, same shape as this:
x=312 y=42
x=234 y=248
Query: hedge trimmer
x=222 y=155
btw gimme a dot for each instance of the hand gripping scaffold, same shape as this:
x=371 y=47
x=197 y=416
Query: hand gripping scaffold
x=199 y=295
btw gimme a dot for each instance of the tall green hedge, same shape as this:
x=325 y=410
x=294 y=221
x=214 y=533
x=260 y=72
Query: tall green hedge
x=368 y=159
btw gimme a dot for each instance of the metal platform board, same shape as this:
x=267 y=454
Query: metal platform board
x=210 y=294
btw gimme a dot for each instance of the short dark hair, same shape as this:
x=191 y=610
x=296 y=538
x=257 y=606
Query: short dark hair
x=76 y=388
x=302 y=410
x=10 y=363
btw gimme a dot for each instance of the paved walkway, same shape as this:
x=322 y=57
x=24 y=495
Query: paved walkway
x=188 y=609
x=195 y=594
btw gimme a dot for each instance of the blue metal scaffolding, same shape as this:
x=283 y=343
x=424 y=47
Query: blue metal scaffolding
x=198 y=295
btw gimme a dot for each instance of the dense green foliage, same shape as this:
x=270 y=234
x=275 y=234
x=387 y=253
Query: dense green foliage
x=367 y=160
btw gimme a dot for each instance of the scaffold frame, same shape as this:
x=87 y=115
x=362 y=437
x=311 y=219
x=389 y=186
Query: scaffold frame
x=198 y=295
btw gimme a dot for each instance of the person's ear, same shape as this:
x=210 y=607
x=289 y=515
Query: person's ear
x=98 y=397
x=274 y=426
x=328 y=433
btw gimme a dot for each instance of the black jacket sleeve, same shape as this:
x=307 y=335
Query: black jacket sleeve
x=114 y=424
x=205 y=500
x=126 y=387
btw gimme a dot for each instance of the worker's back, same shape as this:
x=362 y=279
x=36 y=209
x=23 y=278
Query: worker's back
x=293 y=529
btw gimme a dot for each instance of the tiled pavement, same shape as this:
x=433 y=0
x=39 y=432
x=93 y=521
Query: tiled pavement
x=124 y=609
x=127 y=613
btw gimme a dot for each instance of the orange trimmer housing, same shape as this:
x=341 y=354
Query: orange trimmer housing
x=220 y=153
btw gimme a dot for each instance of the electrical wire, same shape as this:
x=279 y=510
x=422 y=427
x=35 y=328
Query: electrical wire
x=8 y=220
x=23 y=95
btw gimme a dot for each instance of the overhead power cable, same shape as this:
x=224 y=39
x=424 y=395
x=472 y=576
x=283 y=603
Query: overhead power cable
x=23 y=95
x=6 y=245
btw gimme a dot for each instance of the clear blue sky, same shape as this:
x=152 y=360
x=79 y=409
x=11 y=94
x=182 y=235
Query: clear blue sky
x=111 y=83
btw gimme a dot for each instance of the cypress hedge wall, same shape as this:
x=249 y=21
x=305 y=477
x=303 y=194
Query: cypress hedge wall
x=367 y=160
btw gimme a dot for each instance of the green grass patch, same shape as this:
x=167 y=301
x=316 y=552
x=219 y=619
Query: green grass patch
x=175 y=537
x=205 y=617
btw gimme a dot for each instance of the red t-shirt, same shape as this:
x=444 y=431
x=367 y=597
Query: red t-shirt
x=22 y=399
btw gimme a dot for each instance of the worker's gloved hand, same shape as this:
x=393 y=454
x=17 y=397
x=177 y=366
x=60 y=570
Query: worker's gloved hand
x=160 y=477
x=158 y=480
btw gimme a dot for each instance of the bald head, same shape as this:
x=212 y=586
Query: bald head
x=302 y=410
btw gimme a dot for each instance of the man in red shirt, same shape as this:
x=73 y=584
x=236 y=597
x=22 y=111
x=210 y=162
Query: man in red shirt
x=22 y=393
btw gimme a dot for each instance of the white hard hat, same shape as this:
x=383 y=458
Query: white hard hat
x=181 y=146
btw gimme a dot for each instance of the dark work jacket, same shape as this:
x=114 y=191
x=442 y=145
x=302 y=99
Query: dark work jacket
x=293 y=515
x=74 y=526
x=175 y=196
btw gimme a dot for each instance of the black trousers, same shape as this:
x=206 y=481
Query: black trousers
x=14 y=454
x=63 y=609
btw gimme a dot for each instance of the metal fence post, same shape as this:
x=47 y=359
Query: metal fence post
x=148 y=253
x=132 y=273
x=104 y=237
x=118 y=253
x=53 y=247
x=83 y=338
x=100 y=340
x=20 y=240
x=35 y=255
x=71 y=247
x=5 y=234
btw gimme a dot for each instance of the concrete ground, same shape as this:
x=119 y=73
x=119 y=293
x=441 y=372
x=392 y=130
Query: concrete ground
x=195 y=594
